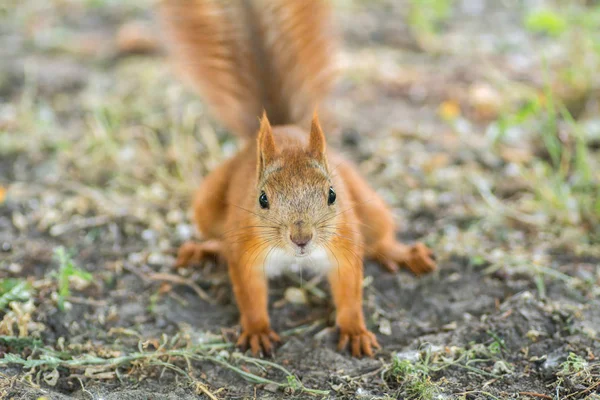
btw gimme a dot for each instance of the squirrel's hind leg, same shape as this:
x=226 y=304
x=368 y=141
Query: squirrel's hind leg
x=378 y=228
x=191 y=253
x=210 y=209
x=381 y=245
x=393 y=254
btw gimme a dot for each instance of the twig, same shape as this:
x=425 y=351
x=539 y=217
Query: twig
x=478 y=391
x=456 y=363
x=304 y=328
x=259 y=361
x=476 y=370
x=158 y=276
x=89 y=302
x=103 y=202
x=310 y=286
x=84 y=390
x=282 y=369
x=178 y=298
x=200 y=386
x=533 y=394
x=79 y=224
x=137 y=272
x=493 y=202
x=366 y=375
x=584 y=391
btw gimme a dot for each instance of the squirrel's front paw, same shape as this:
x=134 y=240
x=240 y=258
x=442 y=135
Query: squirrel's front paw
x=420 y=259
x=258 y=341
x=361 y=341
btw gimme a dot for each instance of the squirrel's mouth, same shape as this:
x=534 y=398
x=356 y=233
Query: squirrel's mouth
x=301 y=252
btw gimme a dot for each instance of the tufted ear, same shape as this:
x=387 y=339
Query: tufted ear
x=316 y=142
x=266 y=144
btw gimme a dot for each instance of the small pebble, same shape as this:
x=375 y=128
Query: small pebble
x=501 y=368
x=485 y=100
x=272 y=387
x=296 y=296
x=19 y=221
x=184 y=231
x=223 y=354
x=136 y=258
x=410 y=355
x=156 y=259
x=15 y=268
x=385 y=327
x=149 y=235
x=175 y=217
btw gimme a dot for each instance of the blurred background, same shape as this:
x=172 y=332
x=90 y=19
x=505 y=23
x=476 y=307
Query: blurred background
x=478 y=121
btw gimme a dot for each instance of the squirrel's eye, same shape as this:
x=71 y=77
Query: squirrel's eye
x=331 y=198
x=263 y=201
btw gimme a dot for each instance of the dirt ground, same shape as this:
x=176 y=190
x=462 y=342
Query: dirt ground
x=479 y=122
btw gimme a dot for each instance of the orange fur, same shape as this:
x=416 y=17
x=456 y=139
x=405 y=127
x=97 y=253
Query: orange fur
x=246 y=56
x=274 y=197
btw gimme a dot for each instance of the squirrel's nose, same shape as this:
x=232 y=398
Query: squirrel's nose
x=301 y=240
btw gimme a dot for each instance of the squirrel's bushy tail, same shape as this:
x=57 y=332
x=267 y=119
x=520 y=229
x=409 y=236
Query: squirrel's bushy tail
x=246 y=56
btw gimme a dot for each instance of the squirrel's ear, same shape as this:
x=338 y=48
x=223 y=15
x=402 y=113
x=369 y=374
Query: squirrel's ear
x=316 y=142
x=266 y=143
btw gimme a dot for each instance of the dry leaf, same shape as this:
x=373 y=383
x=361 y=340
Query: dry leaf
x=449 y=110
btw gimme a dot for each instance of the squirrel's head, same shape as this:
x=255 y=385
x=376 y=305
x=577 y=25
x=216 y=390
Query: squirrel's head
x=295 y=197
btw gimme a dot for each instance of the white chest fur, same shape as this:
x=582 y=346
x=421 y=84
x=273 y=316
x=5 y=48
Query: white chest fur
x=278 y=261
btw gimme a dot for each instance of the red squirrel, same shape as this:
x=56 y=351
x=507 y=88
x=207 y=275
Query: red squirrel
x=284 y=199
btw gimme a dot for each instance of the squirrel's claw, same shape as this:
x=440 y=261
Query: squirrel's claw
x=420 y=259
x=390 y=265
x=360 y=344
x=258 y=342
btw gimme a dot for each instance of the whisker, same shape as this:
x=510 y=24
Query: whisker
x=350 y=208
x=352 y=253
x=247 y=227
x=349 y=239
x=247 y=234
x=334 y=168
x=330 y=229
x=364 y=224
x=337 y=260
x=241 y=236
x=267 y=257
x=262 y=217
x=334 y=256
x=347 y=248
x=252 y=249
x=247 y=239
x=259 y=252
